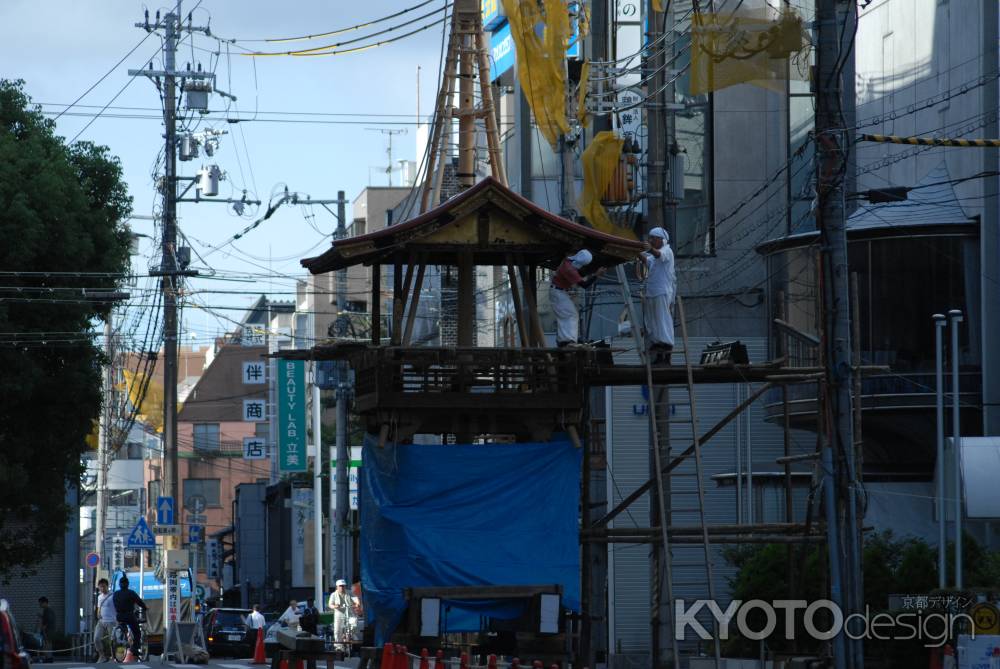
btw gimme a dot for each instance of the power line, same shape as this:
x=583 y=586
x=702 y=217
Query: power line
x=338 y=31
x=103 y=77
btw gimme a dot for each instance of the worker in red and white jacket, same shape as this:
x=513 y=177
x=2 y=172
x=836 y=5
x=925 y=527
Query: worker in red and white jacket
x=564 y=281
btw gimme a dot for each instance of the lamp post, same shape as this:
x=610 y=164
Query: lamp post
x=955 y=317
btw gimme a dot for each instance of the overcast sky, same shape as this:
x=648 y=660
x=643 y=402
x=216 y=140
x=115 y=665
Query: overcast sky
x=62 y=47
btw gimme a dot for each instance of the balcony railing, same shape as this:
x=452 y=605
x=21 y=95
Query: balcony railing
x=221 y=449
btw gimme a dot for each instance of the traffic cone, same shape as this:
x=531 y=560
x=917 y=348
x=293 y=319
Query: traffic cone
x=949 y=657
x=388 y=657
x=283 y=664
x=129 y=657
x=402 y=659
x=463 y=662
x=537 y=664
x=439 y=659
x=491 y=662
x=259 y=657
x=424 y=662
x=515 y=663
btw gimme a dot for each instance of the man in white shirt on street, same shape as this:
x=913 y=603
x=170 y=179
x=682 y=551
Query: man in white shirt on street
x=104 y=628
x=659 y=294
x=255 y=621
x=290 y=618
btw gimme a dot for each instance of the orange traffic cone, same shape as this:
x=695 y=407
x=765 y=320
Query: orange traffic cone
x=491 y=662
x=388 y=661
x=515 y=663
x=464 y=661
x=129 y=657
x=259 y=657
x=424 y=661
x=402 y=658
x=439 y=659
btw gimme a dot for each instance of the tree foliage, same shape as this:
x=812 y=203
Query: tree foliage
x=62 y=209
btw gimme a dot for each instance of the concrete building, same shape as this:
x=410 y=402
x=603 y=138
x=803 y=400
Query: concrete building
x=211 y=429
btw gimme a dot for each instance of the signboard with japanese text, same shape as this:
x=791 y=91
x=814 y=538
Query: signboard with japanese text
x=254 y=448
x=118 y=553
x=255 y=411
x=292 y=426
x=252 y=336
x=213 y=557
x=253 y=372
x=173 y=596
x=493 y=13
x=353 y=479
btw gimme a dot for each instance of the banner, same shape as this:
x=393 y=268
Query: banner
x=292 y=426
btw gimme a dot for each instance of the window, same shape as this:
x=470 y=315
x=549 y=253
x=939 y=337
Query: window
x=206 y=436
x=155 y=488
x=207 y=488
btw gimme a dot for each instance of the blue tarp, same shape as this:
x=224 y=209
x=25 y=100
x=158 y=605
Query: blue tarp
x=460 y=515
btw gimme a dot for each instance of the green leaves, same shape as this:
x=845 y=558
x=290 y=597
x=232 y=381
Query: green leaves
x=62 y=209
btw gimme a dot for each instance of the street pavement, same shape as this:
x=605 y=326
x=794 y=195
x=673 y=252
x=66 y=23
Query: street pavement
x=154 y=663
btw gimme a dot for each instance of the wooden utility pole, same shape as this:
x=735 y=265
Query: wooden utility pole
x=837 y=457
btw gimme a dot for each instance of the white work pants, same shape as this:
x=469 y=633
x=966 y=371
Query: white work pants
x=339 y=625
x=658 y=319
x=567 y=317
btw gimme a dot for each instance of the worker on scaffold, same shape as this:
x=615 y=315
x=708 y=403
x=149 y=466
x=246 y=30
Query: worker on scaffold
x=658 y=296
x=566 y=278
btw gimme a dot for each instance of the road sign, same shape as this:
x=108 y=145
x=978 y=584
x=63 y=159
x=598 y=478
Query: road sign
x=167 y=530
x=253 y=372
x=196 y=534
x=165 y=510
x=195 y=503
x=254 y=448
x=141 y=537
x=93 y=560
x=196 y=519
x=199 y=591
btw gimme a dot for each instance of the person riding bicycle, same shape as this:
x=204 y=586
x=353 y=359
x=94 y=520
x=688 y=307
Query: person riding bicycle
x=125 y=601
x=104 y=628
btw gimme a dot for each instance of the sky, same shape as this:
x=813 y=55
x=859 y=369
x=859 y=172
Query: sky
x=308 y=126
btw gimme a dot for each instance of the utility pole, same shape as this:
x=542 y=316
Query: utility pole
x=656 y=123
x=170 y=271
x=838 y=453
x=317 y=429
x=103 y=441
x=340 y=504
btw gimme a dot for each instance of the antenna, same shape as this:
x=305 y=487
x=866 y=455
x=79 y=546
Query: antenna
x=390 y=133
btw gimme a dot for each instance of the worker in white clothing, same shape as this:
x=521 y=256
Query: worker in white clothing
x=340 y=602
x=658 y=297
x=566 y=278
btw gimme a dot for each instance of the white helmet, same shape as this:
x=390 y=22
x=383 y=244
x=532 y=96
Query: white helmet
x=581 y=258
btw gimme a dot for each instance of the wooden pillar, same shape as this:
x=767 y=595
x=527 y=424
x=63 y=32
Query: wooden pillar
x=414 y=303
x=399 y=301
x=531 y=297
x=376 y=305
x=466 y=300
x=515 y=291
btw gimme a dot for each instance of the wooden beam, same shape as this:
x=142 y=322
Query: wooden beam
x=414 y=302
x=515 y=291
x=638 y=492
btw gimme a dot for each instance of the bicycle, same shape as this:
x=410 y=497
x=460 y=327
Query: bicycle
x=121 y=641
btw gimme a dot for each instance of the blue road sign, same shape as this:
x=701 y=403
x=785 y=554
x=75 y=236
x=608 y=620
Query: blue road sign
x=164 y=510
x=141 y=536
x=196 y=534
x=93 y=559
